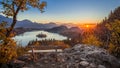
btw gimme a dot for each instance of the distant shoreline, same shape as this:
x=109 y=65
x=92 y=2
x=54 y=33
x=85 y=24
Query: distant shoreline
x=21 y=30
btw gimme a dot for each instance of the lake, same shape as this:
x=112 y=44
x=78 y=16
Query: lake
x=24 y=38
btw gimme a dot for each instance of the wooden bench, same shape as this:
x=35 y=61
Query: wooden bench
x=44 y=49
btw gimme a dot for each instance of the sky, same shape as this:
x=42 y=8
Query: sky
x=71 y=11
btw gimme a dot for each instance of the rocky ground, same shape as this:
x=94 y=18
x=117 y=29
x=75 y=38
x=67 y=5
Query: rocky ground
x=79 y=56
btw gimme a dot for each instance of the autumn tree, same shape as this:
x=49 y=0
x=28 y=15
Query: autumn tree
x=11 y=8
x=92 y=40
x=7 y=51
x=108 y=31
x=102 y=31
x=114 y=28
x=114 y=47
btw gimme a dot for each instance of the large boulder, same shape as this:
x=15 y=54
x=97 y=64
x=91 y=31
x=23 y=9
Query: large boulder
x=87 y=56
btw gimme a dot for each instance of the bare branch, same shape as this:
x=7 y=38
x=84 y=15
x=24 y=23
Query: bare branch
x=13 y=7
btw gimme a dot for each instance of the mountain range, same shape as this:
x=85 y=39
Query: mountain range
x=28 y=24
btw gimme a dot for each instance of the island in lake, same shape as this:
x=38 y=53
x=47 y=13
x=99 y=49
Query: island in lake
x=41 y=35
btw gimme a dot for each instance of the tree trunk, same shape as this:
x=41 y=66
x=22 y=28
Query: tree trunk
x=3 y=65
x=12 y=26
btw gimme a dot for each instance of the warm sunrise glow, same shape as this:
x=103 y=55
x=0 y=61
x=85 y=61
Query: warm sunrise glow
x=87 y=26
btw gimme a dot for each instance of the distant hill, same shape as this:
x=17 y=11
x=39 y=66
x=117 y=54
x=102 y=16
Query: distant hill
x=72 y=32
x=28 y=24
x=75 y=29
x=69 y=25
x=2 y=18
x=58 y=29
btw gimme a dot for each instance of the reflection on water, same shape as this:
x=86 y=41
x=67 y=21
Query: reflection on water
x=28 y=36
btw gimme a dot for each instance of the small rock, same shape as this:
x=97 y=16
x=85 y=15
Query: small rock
x=83 y=59
x=92 y=65
x=37 y=63
x=101 y=66
x=84 y=63
x=45 y=61
x=26 y=67
x=53 y=64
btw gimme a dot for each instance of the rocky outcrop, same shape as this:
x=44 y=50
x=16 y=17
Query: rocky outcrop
x=79 y=56
x=86 y=56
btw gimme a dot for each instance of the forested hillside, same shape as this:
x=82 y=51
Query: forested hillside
x=108 y=31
